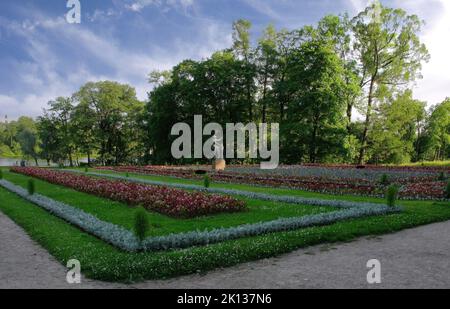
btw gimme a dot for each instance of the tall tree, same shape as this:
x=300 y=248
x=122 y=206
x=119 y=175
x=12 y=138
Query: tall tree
x=314 y=123
x=60 y=111
x=27 y=138
x=111 y=104
x=337 y=29
x=266 y=60
x=394 y=132
x=389 y=53
x=439 y=131
x=243 y=48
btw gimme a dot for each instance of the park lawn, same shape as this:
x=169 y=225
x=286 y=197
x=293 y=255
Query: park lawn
x=102 y=261
x=123 y=215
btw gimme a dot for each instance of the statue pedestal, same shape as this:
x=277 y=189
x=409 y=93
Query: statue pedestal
x=219 y=165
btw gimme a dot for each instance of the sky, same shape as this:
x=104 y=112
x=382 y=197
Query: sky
x=42 y=56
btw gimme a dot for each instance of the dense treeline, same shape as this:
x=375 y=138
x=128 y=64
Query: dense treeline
x=340 y=91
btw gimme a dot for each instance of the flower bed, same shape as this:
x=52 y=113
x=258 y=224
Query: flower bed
x=415 y=183
x=247 y=194
x=127 y=241
x=168 y=201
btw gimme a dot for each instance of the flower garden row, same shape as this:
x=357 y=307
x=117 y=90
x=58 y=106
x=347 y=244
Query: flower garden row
x=336 y=203
x=418 y=184
x=168 y=201
x=127 y=241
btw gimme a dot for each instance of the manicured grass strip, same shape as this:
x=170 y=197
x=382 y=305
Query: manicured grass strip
x=168 y=201
x=122 y=215
x=246 y=187
x=106 y=231
x=125 y=240
x=247 y=194
x=271 y=191
x=103 y=262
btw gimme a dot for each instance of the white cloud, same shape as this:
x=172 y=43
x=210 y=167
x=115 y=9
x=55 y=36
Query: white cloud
x=265 y=8
x=138 y=5
x=434 y=87
x=50 y=74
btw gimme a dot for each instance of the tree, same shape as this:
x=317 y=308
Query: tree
x=438 y=131
x=110 y=106
x=266 y=65
x=315 y=80
x=60 y=111
x=394 y=131
x=83 y=127
x=389 y=55
x=27 y=138
x=337 y=30
x=50 y=142
x=242 y=48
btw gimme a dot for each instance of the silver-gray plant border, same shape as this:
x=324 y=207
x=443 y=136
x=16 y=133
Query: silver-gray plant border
x=127 y=241
x=247 y=194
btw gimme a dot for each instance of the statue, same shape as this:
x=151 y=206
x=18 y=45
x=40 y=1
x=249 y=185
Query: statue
x=219 y=162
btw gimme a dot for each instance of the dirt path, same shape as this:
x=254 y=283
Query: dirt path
x=416 y=258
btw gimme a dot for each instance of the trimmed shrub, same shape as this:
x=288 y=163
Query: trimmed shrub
x=392 y=195
x=31 y=187
x=141 y=224
x=206 y=181
x=447 y=190
x=384 y=180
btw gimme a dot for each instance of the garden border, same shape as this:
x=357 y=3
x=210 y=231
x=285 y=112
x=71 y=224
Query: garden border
x=127 y=241
x=247 y=194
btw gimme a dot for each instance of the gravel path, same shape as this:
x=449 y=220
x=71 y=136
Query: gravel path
x=416 y=258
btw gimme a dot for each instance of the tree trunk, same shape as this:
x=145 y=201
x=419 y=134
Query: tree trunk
x=362 y=151
x=264 y=109
x=312 y=146
x=70 y=158
x=349 y=116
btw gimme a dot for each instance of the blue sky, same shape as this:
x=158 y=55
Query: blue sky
x=42 y=56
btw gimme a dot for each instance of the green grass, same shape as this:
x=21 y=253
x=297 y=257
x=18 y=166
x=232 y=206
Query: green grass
x=103 y=262
x=267 y=190
x=121 y=214
x=445 y=163
x=244 y=187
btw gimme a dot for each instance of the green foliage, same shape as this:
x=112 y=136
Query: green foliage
x=1 y=174
x=127 y=175
x=441 y=176
x=384 y=180
x=390 y=53
x=121 y=215
x=309 y=80
x=141 y=224
x=206 y=181
x=101 y=261
x=86 y=169
x=438 y=132
x=31 y=186
x=394 y=133
x=447 y=190
x=392 y=195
